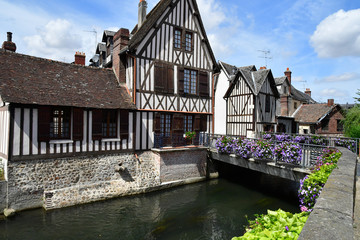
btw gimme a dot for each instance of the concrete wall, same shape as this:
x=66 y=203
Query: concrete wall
x=332 y=217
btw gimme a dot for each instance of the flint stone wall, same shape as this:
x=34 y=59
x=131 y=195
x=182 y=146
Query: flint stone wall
x=62 y=182
x=55 y=183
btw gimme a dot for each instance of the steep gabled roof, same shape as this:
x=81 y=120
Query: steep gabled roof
x=313 y=113
x=101 y=47
x=281 y=80
x=254 y=78
x=31 y=80
x=300 y=96
x=106 y=34
x=153 y=16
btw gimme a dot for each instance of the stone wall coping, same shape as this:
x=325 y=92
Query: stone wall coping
x=62 y=141
x=178 y=149
x=332 y=217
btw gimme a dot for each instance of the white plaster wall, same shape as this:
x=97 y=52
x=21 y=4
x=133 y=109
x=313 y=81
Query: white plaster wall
x=220 y=104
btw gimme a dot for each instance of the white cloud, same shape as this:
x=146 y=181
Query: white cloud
x=212 y=13
x=57 y=39
x=338 y=35
x=332 y=92
x=297 y=79
x=341 y=78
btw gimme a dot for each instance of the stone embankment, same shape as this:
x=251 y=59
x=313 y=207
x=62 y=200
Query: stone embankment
x=333 y=214
x=56 y=183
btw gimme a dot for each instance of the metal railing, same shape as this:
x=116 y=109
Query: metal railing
x=309 y=152
x=179 y=140
x=351 y=143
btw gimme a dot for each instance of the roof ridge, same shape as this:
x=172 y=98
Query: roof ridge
x=50 y=60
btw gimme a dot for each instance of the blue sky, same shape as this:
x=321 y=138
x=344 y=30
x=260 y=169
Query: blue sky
x=319 y=40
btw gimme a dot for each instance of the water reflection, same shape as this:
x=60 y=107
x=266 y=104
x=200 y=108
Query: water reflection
x=208 y=210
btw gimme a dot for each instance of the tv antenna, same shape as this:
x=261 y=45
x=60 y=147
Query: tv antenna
x=95 y=33
x=304 y=82
x=266 y=56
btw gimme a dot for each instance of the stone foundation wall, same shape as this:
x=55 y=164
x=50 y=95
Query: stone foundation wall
x=182 y=163
x=62 y=182
x=54 y=183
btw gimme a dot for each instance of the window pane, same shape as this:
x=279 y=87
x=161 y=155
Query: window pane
x=188 y=41
x=60 y=125
x=186 y=81
x=193 y=82
x=177 y=39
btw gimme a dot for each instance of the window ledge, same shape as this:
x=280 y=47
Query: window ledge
x=111 y=140
x=64 y=141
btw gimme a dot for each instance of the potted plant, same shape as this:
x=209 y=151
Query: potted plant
x=189 y=136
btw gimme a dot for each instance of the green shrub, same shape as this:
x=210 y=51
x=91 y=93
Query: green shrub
x=275 y=225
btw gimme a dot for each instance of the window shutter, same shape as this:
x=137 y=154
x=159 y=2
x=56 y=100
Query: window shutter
x=78 y=121
x=96 y=124
x=203 y=123
x=44 y=119
x=157 y=122
x=124 y=124
x=181 y=80
x=178 y=123
x=197 y=122
x=170 y=79
x=159 y=77
x=203 y=84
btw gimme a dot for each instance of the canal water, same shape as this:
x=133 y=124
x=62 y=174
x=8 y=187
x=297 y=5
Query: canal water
x=215 y=209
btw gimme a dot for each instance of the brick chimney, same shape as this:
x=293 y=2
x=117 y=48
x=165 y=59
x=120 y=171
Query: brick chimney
x=308 y=92
x=284 y=105
x=288 y=75
x=330 y=102
x=121 y=40
x=142 y=13
x=9 y=45
x=80 y=58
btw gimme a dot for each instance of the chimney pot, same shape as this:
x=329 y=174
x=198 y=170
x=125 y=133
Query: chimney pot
x=80 y=58
x=9 y=45
x=330 y=102
x=142 y=13
x=288 y=75
x=9 y=36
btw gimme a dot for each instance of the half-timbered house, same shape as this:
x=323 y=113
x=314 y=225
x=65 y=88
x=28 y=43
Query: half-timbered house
x=52 y=109
x=250 y=100
x=168 y=67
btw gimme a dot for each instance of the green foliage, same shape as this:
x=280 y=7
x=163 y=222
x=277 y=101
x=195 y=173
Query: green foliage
x=2 y=177
x=275 y=225
x=357 y=98
x=352 y=122
x=312 y=185
x=190 y=135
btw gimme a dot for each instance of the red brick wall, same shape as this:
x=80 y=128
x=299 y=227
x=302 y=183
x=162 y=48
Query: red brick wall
x=121 y=39
x=333 y=117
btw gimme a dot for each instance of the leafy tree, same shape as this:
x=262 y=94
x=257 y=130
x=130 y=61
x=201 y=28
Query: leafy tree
x=352 y=122
x=357 y=98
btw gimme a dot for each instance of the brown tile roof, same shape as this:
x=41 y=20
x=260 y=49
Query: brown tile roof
x=31 y=80
x=312 y=113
